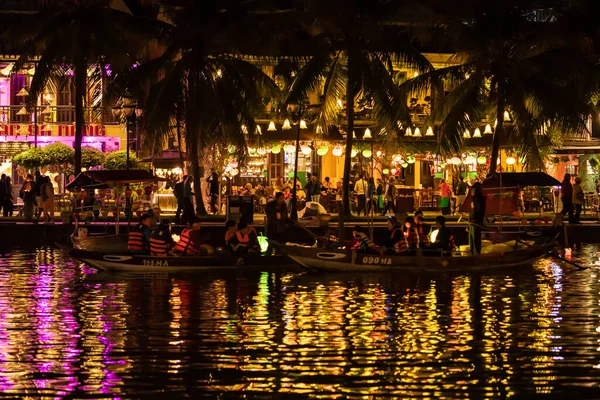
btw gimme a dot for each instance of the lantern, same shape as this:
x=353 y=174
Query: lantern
x=322 y=150
x=481 y=160
x=488 y=130
x=367 y=153
x=306 y=150
x=385 y=171
x=510 y=160
x=272 y=126
x=477 y=133
x=290 y=148
x=470 y=160
x=276 y=149
x=410 y=159
x=286 y=125
x=455 y=161
x=354 y=153
x=337 y=151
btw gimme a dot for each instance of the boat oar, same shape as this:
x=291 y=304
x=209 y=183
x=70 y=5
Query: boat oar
x=558 y=256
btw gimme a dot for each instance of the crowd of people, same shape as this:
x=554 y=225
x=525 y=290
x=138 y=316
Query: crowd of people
x=37 y=193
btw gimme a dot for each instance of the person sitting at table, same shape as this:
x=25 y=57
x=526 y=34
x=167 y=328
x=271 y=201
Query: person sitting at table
x=444 y=241
x=363 y=243
x=300 y=194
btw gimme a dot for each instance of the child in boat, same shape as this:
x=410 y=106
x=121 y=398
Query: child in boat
x=364 y=244
x=444 y=240
x=231 y=229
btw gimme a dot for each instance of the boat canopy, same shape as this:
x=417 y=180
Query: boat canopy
x=520 y=179
x=99 y=179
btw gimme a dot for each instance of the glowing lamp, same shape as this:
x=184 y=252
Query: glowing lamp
x=252 y=150
x=385 y=171
x=319 y=129
x=470 y=160
x=303 y=124
x=455 y=161
x=367 y=134
x=429 y=131
x=379 y=153
x=290 y=149
x=411 y=159
x=481 y=160
x=306 y=150
x=404 y=164
x=286 y=125
x=276 y=149
x=258 y=130
x=488 y=130
x=272 y=126
x=354 y=153
x=234 y=172
x=417 y=132
x=510 y=160
x=467 y=134
x=367 y=153
x=433 y=235
x=408 y=132
x=394 y=170
x=244 y=130
x=321 y=151
x=477 y=133
x=233 y=164
x=337 y=151
x=261 y=151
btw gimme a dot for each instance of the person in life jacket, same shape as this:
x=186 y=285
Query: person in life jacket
x=190 y=242
x=364 y=244
x=411 y=235
x=230 y=239
x=161 y=239
x=246 y=239
x=444 y=240
x=139 y=236
x=396 y=242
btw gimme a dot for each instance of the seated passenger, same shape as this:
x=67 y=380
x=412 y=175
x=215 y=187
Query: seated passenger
x=422 y=229
x=411 y=235
x=245 y=239
x=444 y=240
x=139 y=236
x=161 y=239
x=396 y=243
x=190 y=242
x=364 y=244
x=231 y=229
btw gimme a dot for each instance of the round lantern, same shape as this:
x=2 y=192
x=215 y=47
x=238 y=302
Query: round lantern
x=234 y=172
x=337 y=151
x=411 y=159
x=394 y=170
x=470 y=160
x=322 y=150
x=261 y=151
x=367 y=153
x=455 y=161
x=290 y=149
x=251 y=150
x=385 y=171
x=481 y=160
x=306 y=150
x=404 y=164
x=510 y=160
x=379 y=153
x=231 y=149
x=276 y=149
x=354 y=153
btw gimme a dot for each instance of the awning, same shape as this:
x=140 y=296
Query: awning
x=520 y=179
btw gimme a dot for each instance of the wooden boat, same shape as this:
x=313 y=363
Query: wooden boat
x=142 y=263
x=341 y=261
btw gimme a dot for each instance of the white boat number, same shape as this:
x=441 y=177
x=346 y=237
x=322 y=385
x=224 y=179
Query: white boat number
x=377 y=260
x=155 y=263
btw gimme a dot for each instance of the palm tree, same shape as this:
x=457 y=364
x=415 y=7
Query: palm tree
x=78 y=38
x=197 y=80
x=509 y=64
x=354 y=45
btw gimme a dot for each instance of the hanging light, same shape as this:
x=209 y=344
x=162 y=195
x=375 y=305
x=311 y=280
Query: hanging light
x=251 y=150
x=290 y=148
x=6 y=70
x=23 y=92
x=367 y=134
x=337 y=151
x=22 y=111
x=379 y=153
x=394 y=170
x=322 y=150
x=385 y=171
x=405 y=165
x=506 y=116
x=429 y=131
x=234 y=172
x=31 y=71
x=306 y=150
x=231 y=149
x=367 y=153
x=319 y=129
x=481 y=160
x=353 y=135
x=272 y=127
x=244 y=130
x=261 y=151
x=286 y=125
x=339 y=103
x=477 y=133
x=417 y=132
x=470 y=159
x=411 y=159
x=467 y=134
x=303 y=124
x=276 y=149
x=455 y=161
x=354 y=153
x=258 y=130
x=510 y=160
x=488 y=130
x=408 y=132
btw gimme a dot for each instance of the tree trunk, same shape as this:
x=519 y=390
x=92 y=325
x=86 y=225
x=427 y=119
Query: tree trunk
x=345 y=212
x=499 y=133
x=80 y=89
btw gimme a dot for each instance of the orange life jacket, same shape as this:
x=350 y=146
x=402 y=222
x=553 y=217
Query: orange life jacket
x=185 y=244
x=229 y=236
x=136 y=240
x=159 y=243
x=243 y=239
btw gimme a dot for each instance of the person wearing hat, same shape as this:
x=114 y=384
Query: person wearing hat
x=190 y=242
x=161 y=240
x=139 y=236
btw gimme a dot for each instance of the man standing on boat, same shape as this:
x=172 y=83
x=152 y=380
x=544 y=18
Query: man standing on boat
x=277 y=217
x=476 y=218
x=139 y=236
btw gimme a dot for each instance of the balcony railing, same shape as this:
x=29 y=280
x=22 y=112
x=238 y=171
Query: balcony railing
x=55 y=115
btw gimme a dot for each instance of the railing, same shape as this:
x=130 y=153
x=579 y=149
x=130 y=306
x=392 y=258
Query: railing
x=55 y=114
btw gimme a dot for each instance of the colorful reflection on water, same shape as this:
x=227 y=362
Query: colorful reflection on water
x=66 y=331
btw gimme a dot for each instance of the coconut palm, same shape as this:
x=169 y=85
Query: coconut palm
x=510 y=68
x=354 y=45
x=199 y=82
x=76 y=39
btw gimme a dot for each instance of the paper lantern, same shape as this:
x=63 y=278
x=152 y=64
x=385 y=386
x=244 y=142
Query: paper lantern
x=337 y=151
x=276 y=149
x=272 y=126
x=367 y=153
x=481 y=160
x=488 y=130
x=411 y=159
x=290 y=149
x=405 y=165
x=234 y=172
x=367 y=134
x=354 y=153
x=467 y=134
x=470 y=160
x=455 y=161
x=477 y=133
x=322 y=150
x=306 y=150
x=379 y=153
x=303 y=124
x=251 y=150
x=429 y=131
x=385 y=171
x=286 y=125
x=510 y=160
x=417 y=132
x=394 y=170
x=261 y=151
x=408 y=132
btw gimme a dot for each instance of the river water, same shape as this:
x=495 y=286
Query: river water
x=68 y=331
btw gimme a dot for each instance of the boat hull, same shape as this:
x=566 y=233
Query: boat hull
x=338 y=261
x=141 y=263
x=101 y=243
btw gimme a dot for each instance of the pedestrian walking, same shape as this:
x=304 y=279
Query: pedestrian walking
x=566 y=197
x=360 y=188
x=445 y=194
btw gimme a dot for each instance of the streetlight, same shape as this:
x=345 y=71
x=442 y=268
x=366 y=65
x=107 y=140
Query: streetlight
x=296 y=112
x=131 y=112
